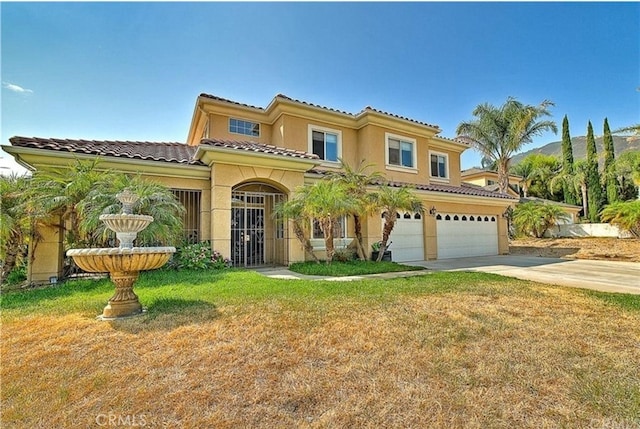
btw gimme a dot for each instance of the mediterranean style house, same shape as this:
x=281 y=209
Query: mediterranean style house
x=240 y=160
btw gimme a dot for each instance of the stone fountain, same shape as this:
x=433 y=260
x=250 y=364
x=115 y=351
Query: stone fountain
x=125 y=262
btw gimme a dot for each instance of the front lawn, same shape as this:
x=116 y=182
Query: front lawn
x=351 y=268
x=236 y=349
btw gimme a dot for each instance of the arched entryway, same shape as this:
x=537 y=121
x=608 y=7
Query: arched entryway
x=257 y=237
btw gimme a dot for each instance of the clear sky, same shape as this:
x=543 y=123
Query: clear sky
x=132 y=71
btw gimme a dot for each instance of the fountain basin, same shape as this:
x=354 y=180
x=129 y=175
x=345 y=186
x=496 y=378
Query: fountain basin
x=123 y=266
x=112 y=259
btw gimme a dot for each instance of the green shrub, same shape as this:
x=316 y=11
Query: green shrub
x=626 y=215
x=534 y=218
x=198 y=256
x=17 y=275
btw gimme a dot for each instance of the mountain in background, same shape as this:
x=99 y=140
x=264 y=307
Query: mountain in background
x=620 y=144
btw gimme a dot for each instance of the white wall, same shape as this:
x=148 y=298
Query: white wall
x=587 y=230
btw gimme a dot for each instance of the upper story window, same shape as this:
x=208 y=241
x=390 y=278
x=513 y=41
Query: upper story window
x=325 y=143
x=491 y=182
x=438 y=165
x=239 y=126
x=401 y=151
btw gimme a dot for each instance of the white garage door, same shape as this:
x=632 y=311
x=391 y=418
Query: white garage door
x=462 y=235
x=408 y=239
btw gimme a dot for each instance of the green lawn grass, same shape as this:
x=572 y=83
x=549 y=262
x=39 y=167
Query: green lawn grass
x=233 y=348
x=350 y=268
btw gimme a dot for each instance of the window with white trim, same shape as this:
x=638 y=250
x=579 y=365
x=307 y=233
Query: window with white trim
x=401 y=151
x=438 y=165
x=247 y=128
x=339 y=229
x=325 y=142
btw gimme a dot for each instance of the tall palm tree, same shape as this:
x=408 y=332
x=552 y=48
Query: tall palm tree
x=327 y=201
x=153 y=199
x=390 y=201
x=357 y=180
x=577 y=180
x=292 y=210
x=500 y=132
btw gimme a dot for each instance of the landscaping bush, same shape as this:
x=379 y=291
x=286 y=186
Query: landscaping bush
x=626 y=215
x=198 y=256
x=534 y=219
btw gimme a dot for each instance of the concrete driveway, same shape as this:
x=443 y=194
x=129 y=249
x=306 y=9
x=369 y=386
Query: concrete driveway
x=606 y=276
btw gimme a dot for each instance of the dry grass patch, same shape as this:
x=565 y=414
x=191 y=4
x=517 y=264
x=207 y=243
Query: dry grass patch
x=442 y=350
x=599 y=248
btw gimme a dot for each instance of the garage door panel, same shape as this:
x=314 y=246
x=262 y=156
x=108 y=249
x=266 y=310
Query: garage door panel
x=464 y=238
x=407 y=240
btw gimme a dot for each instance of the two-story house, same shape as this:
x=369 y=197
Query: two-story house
x=241 y=160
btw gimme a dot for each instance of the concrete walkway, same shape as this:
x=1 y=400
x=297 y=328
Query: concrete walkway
x=606 y=276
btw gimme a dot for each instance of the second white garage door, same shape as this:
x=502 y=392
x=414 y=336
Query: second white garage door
x=408 y=238
x=463 y=235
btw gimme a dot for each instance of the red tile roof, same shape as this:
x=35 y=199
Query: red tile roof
x=167 y=152
x=366 y=109
x=257 y=147
x=463 y=189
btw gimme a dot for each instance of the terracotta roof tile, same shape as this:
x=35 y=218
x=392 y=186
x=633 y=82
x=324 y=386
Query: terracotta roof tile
x=153 y=151
x=215 y=97
x=257 y=147
x=368 y=108
x=463 y=189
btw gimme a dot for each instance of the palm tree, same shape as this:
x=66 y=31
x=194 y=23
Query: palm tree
x=14 y=221
x=153 y=199
x=500 y=132
x=533 y=218
x=60 y=192
x=326 y=201
x=577 y=180
x=390 y=201
x=624 y=214
x=528 y=172
x=357 y=180
x=292 y=210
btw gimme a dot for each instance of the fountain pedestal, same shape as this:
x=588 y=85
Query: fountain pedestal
x=123 y=263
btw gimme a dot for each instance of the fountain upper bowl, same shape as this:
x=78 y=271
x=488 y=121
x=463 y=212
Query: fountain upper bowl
x=126 y=222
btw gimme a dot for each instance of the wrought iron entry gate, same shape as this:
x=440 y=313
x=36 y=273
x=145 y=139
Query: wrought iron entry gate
x=256 y=238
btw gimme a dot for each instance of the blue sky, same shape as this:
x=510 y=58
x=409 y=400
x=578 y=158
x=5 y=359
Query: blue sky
x=132 y=71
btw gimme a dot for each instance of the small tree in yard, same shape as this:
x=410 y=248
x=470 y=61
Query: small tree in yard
x=357 y=180
x=293 y=210
x=626 y=215
x=390 y=201
x=535 y=218
x=327 y=201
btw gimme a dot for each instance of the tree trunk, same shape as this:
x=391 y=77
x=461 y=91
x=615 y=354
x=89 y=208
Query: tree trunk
x=11 y=257
x=357 y=223
x=389 y=223
x=306 y=244
x=327 y=229
x=503 y=176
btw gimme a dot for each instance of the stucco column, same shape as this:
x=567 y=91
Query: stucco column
x=430 y=235
x=48 y=254
x=221 y=220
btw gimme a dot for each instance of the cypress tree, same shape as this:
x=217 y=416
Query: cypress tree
x=611 y=182
x=594 y=189
x=567 y=164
